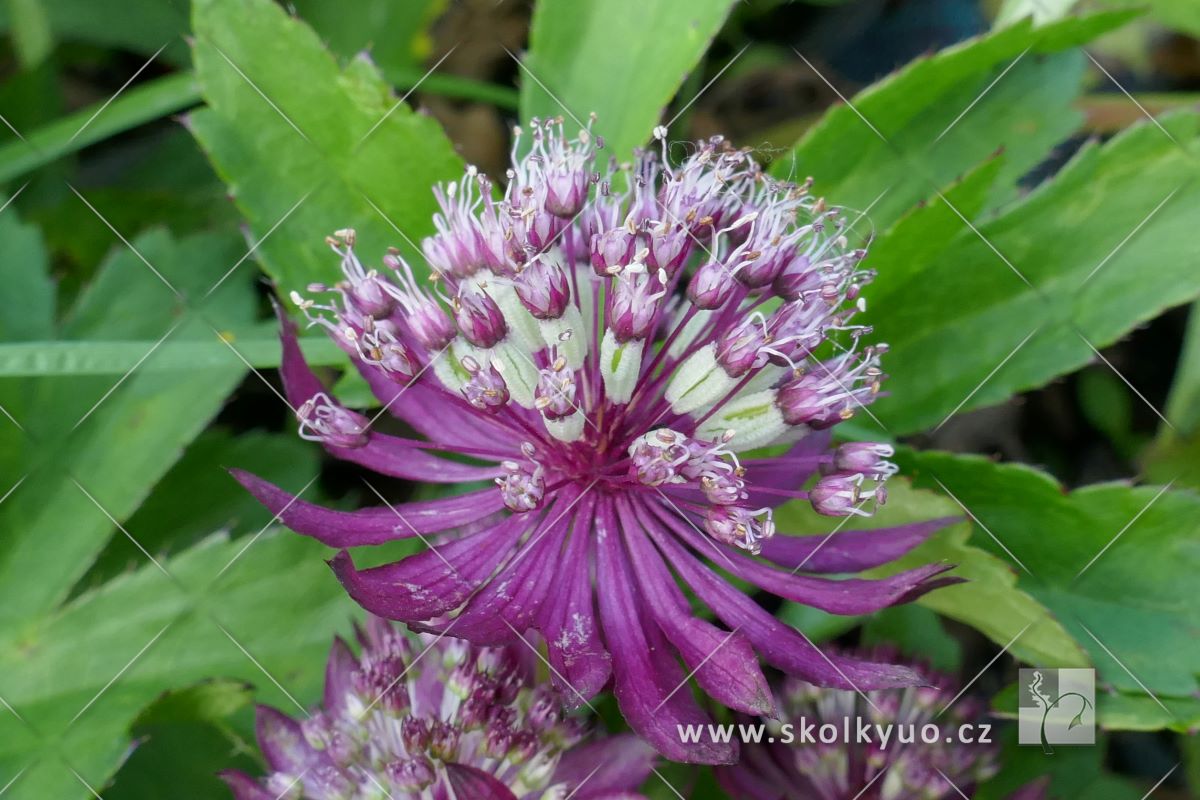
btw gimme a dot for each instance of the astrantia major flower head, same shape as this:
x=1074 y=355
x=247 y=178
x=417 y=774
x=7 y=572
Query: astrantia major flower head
x=904 y=767
x=435 y=719
x=605 y=344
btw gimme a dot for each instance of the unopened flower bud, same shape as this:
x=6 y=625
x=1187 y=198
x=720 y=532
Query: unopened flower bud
x=612 y=251
x=543 y=288
x=711 y=286
x=634 y=305
x=480 y=319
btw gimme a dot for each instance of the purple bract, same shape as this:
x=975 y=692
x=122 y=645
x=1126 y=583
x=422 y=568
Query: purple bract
x=605 y=343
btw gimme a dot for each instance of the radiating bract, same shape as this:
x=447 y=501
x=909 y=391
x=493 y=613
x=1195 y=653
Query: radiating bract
x=605 y=344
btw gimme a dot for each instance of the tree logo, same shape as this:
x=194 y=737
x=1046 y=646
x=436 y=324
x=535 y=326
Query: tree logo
x=1057 y=707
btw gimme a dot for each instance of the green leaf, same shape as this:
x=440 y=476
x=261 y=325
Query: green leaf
x=135 y=106
x=23 y=274
x=84 y=357
x=1139 y=712
x=210 y=700
x=1175 y=453
x=989 y=601
x=198 y=496
x=395 y=34
x=966 y=330
x=1123 y=711
x=143 y=26
x=89 y=448
x=918 y=633
x=1190 y=746
x=1074 y=771
x=1115 y=564
x=614 y=58
x=817 y=625
x=303 y=158
x=940 y=116
x=1183 y=404
x=80 y=677
x=1106 y=403
x=186 y=753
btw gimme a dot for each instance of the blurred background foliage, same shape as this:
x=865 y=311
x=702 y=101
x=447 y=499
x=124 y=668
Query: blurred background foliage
x=1027 y=172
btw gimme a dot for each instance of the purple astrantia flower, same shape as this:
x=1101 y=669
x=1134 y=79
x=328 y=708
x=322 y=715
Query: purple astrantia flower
x=899 y=769
x=437 y=719
x=603 y=349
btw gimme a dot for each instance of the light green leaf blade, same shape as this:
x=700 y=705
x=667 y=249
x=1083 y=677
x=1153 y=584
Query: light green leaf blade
x=939 y=117
x=24 y=268
x=1115 y=564
x=258 y=346
x=989 y=601
x=614 y=58
x=23 y=274
x=303 y=158
x=395 y=34
x=92 y=447
x=1183 y=404
x=978 y=315
x=199 y=496
x=153 y=633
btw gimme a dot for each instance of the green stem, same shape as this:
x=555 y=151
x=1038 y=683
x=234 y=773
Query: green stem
x=454 y=86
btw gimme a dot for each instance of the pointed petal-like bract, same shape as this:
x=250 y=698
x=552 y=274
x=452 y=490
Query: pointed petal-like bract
x=606 y=766
x=592 y=350
x=244 y=787
x=475 y=783
x=850 y=551
x=580 y=663
x=283 y=743
x=432 y=583
x=723 y=662
x=651 y=692
x=370 y=526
